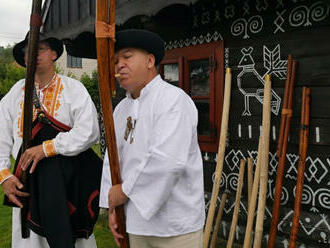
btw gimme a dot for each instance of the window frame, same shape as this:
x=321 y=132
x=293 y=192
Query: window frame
x=213 y=51
x=73 y=62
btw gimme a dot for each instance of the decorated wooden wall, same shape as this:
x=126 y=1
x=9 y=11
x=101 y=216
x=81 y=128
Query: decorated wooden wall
x=259 y=35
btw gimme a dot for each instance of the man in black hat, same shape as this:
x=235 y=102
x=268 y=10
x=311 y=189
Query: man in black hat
x=161 y=164
x=64 y=174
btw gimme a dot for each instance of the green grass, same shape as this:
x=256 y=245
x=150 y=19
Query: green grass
x=102 y=233
x=104 y=238
x=5 y=224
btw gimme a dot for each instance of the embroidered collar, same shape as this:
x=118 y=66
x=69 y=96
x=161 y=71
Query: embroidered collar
x=48 y=84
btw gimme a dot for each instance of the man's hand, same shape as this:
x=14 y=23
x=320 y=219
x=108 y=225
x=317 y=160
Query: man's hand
x=33 y=154
x=116 y=197
x=114 y=226
x=11 y=188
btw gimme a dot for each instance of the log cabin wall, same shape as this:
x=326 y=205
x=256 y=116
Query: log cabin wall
x=258 y=36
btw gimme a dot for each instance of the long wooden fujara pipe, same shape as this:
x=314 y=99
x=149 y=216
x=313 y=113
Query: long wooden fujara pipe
x=303 y=144
x=266 y=114
x=221 y=156
x=237 y=204
x=35 y=24
x=253 y=199
x=282 y=147
x=218 y=220
x=105 y=38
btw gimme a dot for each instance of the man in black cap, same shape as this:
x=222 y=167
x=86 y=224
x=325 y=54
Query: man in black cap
x=161 y=164
x=64 y=174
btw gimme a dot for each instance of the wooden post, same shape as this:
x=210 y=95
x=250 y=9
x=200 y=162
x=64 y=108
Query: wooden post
x=35 y=24
x=237 y=204
x=221 y=156
x=106 y=73
x=218 y=220
x=264 y=169
x=303 y=144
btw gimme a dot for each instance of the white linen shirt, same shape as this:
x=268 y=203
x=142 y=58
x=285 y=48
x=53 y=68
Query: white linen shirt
x=67 y=100
x=162 y=170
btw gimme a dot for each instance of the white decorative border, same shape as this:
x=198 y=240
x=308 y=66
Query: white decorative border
x=195 y=40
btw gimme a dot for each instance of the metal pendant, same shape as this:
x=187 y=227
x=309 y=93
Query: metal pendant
x=130 y=125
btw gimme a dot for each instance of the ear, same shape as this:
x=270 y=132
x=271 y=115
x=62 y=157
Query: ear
x=53 y=55
x=151 y=60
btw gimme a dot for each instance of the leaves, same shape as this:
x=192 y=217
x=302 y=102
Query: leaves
x=9 y=75
x=91 y=84
x=10 y=72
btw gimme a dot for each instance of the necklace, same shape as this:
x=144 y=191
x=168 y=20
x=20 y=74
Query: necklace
x=47 y=84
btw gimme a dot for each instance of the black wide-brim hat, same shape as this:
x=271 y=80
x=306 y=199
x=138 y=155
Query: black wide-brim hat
x=143 y=39
x=54 y=44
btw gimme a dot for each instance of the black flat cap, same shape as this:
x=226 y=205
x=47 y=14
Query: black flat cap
x=54 y=44
x=143 y=39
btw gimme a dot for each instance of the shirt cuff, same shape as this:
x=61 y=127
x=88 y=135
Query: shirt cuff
x=48 y=147
x=4 y=175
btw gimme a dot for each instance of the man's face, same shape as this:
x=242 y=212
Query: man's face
x=45 y=58
x=133 y=65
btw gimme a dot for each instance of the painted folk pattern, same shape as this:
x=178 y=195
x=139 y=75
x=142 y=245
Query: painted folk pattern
x=315 y=221
x=250 y=19
x=252 y=30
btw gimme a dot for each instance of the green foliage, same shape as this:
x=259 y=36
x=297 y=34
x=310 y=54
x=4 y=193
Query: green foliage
x=91 y=84
x=71 y=75
x=10 y=72
x=6 y=55
x=9 y=75
x=58 y=69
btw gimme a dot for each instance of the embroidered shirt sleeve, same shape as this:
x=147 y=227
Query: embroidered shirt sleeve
x=8 y=111
x=85 y=127
x=4 y=174
x=48 y=147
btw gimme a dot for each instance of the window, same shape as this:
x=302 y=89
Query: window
x=198 y=70
x=73 y=62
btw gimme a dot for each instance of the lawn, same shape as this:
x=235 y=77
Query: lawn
x=102 y=233
x=5 y=224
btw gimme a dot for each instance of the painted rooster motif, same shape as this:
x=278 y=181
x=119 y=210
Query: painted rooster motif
x=274 y=65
